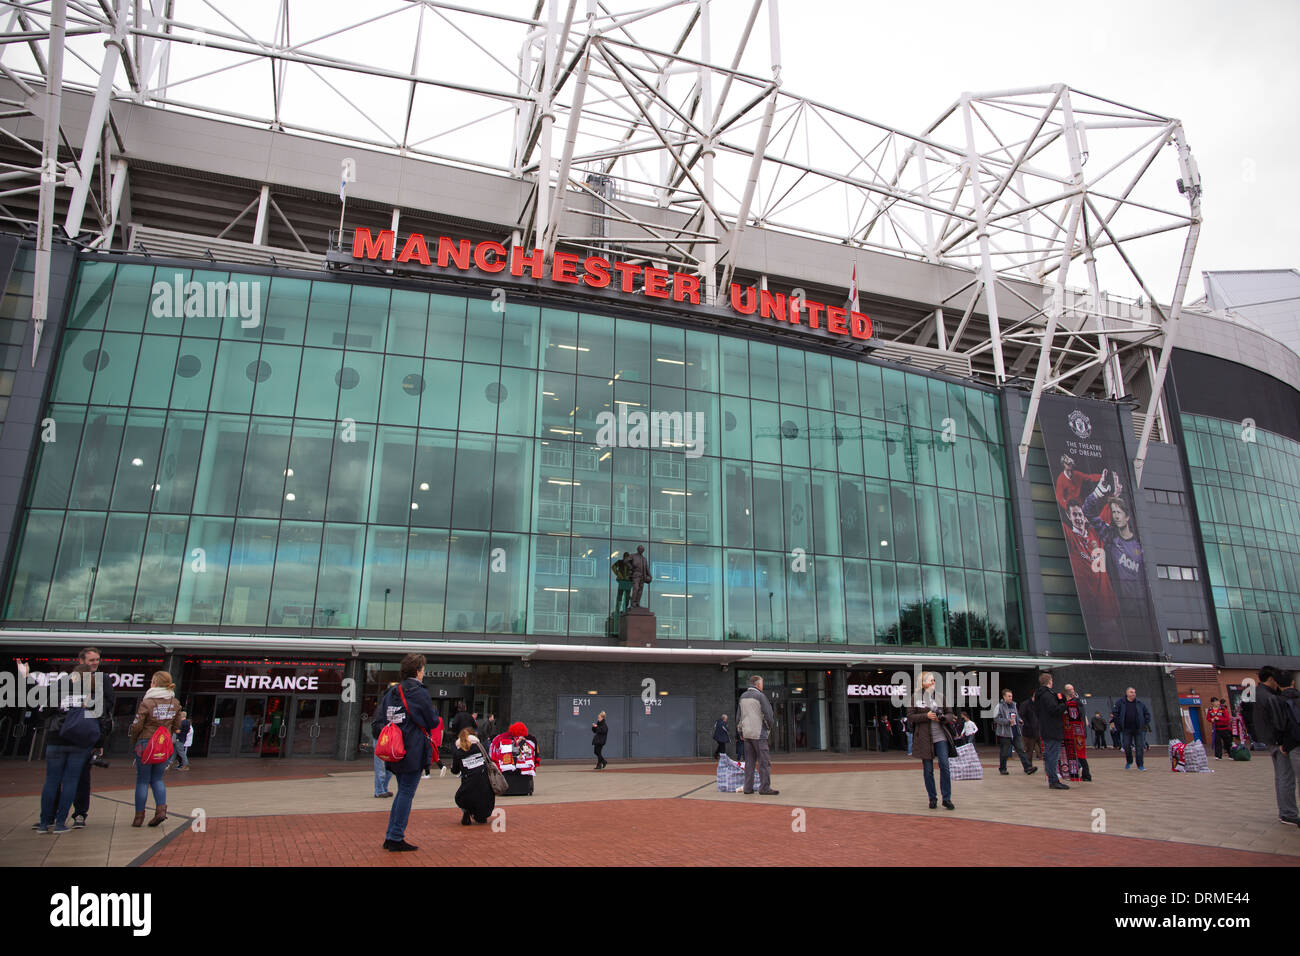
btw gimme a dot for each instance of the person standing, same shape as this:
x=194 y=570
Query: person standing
x=1029 y=729
x=1239 y=728
x=754 y=720
x=67 y=748
x=1098 y=725
x=184 y=737
x=158 y=708
x=1076 y=737
x=1288 y=706
x=721 y=736
x=934 y=739
x=1005 y=722
x=382 y=774
x=599 y=735
x=474 y=796
x=1132 y=719
x=909 y=730
x=1049 y=707
x=91 y=657
x=408 y=705
x=1221 y=724
x=1114 y=735
x=1268 y=726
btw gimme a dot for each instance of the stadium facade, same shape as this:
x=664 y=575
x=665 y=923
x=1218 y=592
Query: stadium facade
x=272 y=456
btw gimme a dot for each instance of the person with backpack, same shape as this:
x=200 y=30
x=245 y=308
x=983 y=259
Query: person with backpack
x=1277 y=726
x=402 y=726
x=157 y=720
x=71 y=735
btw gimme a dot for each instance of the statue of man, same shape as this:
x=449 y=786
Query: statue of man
x=623 y=574
x=640 y=573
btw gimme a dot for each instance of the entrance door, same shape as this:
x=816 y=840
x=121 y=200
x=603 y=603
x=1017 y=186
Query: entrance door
x=574 y=716
x=664 y=728
x=315 y=728
x=222 y=727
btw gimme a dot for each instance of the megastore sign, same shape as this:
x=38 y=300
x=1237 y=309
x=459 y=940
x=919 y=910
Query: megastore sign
x=597 y=272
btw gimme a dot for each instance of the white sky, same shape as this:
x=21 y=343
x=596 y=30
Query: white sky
x=1229 y=72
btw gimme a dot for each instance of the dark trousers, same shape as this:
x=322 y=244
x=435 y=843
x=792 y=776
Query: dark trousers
x=600 y=760
x=719 y=748
x=757 y=760
x=1005 y=746
x=1099 y=739
x=1114 y=739
x=1051 y=758
x=1134 y=740
x=1222 y=741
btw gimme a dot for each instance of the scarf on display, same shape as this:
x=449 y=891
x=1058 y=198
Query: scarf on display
x=1075 y=746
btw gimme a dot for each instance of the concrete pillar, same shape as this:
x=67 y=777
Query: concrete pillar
x=840 y=710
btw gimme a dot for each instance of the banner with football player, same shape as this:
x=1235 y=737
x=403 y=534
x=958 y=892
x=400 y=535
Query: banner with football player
x=1090 y=472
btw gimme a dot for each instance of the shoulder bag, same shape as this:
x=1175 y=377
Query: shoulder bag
x=495 y=777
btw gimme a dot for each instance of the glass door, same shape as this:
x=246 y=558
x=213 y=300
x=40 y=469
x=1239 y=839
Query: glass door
x=251 y=727
x=275 y=727
x=221 y=727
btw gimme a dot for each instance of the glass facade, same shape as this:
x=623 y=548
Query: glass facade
x=386 y=460
x=1247 y=484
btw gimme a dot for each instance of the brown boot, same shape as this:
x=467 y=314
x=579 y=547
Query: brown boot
x=139 y=819
x=159 y=815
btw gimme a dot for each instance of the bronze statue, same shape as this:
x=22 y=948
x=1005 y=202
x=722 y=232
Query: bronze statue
x=640 y=573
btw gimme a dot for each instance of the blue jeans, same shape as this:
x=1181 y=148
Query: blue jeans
x=927 y=767
x=909 y=743
x=382 y=776
x=148 y=776
x=401 y=811
x=63 y=766
x=1051 y=759
x=1134 y=738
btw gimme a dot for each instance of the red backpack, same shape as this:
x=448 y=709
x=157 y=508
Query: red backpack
x=159 y=748
x=390 y=747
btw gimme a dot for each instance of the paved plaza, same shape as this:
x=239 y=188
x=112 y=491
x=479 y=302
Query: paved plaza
x=832 y=810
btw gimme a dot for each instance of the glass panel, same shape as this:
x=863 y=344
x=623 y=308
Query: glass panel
x=735 y=366
x=76 y=567
x=435 y=462
x=350 y=474
x=137 y=466
x=483 y=326
x=130 y=303
x=423 y=601
x=883 y=589
x=472 y=492
x=403 y=384
x=115 y=364
x=768 y=532
x=394 y=467
x=305 y=482
x=34 y=566
x=769 y=593
x=340 y=576
x=703 y=503
x=596 y=346
x=286 y=311
x=265 y=467
x=248 y=588
x=740 y=591
x=762 y=370
x=367 y=318
x=221 y=465
x=911 y=612
x=790 y=374
x=327 y=314
x=702 y=361
x=735 y=428
x=446 y=327
x=293 y=593
x=507 y=604
x=160 y=570
x=549 y=613
x=407 y=318
x=825 y=514
x=318 y=383
x=194 y=366
x=559 y=340
x=359 y=383
x=765 y=420
x=90 y=304
x=830 y=601
x=936 y=606
x=381 y=581
x=880 y=522
x=857 y=602
x=152 y=385
x=78 y=360
x=794 y=436
x=203 y=578
x=801 y=591
x=668 y=349
x=100 y=443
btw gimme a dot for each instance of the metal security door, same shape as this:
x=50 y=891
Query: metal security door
x=574 y=715
x=663 y=727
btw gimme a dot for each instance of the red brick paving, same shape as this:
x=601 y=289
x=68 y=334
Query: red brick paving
x=673 y=832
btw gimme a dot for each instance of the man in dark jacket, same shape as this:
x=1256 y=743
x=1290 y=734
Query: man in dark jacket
x=1049 y=707
x=1133 y=719
x=1268 y=724
x=721 y=736
x=462 y=720
x=1029 y=734
x=408 y=706
x=1098 y=730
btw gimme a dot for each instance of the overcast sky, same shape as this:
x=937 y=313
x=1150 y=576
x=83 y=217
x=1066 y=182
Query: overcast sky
x=1229 y=72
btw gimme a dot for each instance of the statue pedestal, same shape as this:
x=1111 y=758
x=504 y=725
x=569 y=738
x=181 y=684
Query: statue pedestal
x=638 y=627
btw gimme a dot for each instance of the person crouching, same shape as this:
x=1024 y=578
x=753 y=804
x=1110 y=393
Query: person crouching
x=474 y=796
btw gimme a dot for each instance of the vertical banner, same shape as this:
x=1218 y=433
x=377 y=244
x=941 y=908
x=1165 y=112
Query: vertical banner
x=1090 y=473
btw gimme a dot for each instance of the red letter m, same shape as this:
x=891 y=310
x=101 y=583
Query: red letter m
x=366 y=247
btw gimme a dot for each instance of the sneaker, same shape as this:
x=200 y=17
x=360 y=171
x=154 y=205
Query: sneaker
x=1058 y=786
x=79 y=822
x=443 y=772
x=1143 y=769
x=399 y=846
x=934 y=803
x=61 y=828
x=768 y=793
x=1003 y=772
x=1128 y=766
x=426 y=773
x=947 y=805
x=1031 y=770
x=381 y=796
x=44 y=828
